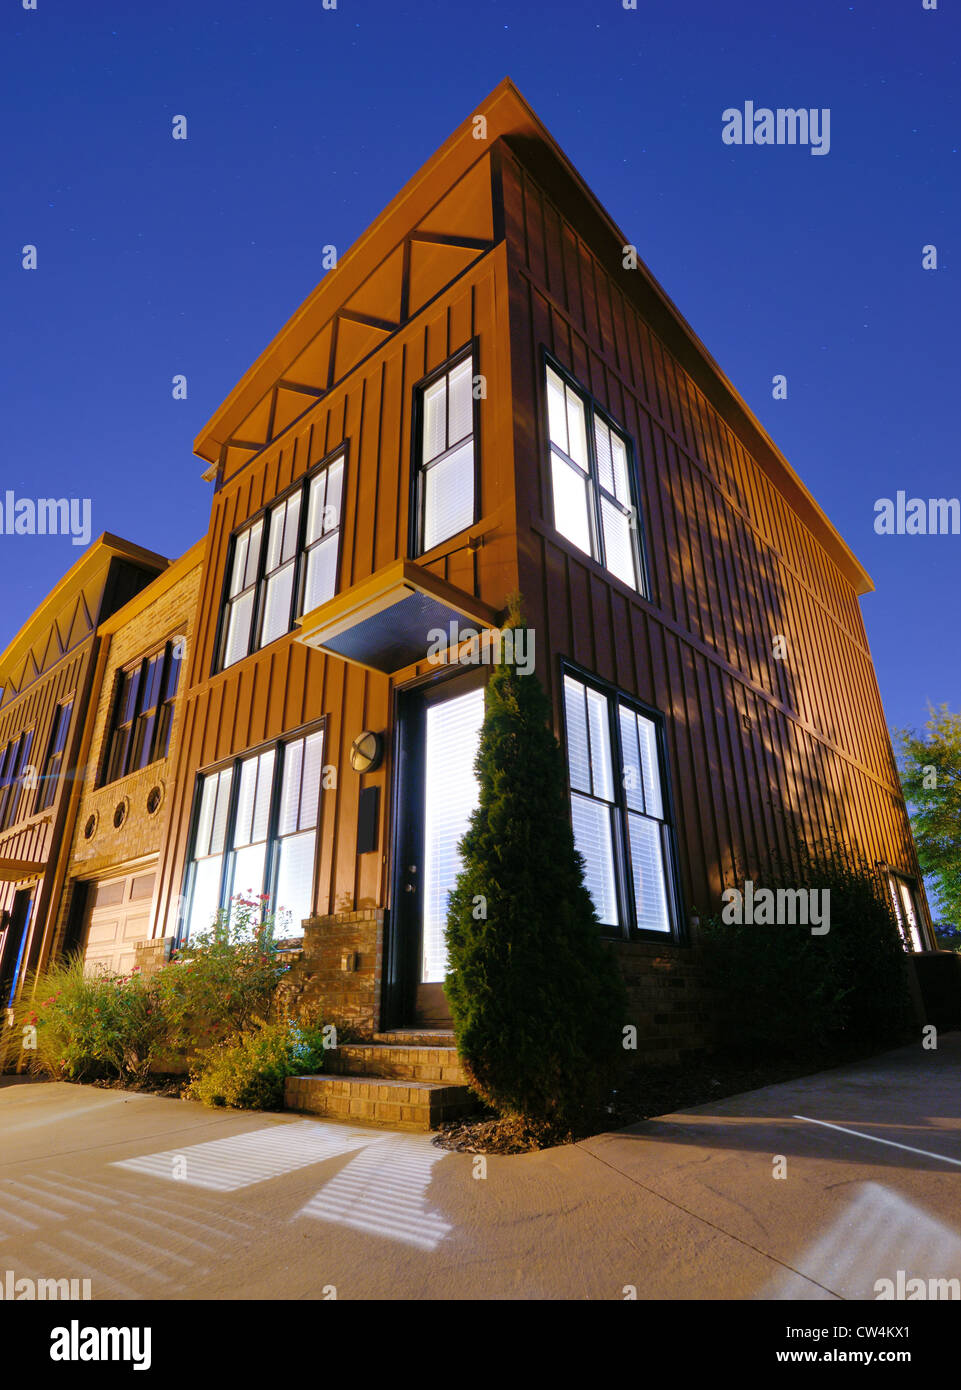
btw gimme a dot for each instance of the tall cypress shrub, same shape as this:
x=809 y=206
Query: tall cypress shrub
x=536 y=996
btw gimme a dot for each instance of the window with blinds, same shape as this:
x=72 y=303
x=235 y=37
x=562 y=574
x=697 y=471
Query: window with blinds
x=618 y=809
x=256 y=835
x=283 y=563
x=592 y=482
x=444 y=488
x=452 y=736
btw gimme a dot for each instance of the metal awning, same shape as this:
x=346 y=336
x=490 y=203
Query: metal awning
x=386 y=622
x=13 y=870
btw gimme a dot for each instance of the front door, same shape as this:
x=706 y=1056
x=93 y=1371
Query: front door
x=11 y=955
x=437 y=791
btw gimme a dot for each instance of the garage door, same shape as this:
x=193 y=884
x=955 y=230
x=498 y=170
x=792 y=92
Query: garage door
x=117 y=916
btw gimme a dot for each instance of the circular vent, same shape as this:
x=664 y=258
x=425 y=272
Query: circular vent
x=120 y=813
x=155 y=798
x=90 y=828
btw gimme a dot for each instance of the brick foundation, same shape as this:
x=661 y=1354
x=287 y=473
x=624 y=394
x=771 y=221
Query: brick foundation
x=318 y=979
x=667 y=1000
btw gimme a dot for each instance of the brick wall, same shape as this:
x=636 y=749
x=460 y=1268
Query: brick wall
x=668 y=1003
x=318 y=980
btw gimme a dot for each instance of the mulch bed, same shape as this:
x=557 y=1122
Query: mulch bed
x=645 y=1093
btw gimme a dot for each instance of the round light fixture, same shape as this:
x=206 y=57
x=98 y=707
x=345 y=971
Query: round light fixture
x=366 y=751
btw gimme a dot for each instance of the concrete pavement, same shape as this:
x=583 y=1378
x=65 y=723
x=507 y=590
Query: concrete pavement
x=782 y=1193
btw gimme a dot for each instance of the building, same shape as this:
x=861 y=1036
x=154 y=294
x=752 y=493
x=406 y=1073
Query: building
x=131 y=742
x=48 y=675
x=489 y=394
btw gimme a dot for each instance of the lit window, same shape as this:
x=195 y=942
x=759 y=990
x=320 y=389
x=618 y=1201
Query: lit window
x=618 y=809
x=591 y=481
x=256 y=833
x=283 y=564
x=444 y=501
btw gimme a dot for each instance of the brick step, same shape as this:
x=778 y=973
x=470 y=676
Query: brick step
x=393 y=1060
x=386 y=1101
x=417 y=1037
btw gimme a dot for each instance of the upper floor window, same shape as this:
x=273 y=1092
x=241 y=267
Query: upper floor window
x=592 y=482
x=142 y=714
x=283 y=564
x=618 y=809
x=256 y=832
x=444 y=492
x=13 y=765
x=53 y=764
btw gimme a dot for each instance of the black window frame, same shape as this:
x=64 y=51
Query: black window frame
x=11 y=777
x=628 y=930
x=161 y=712
x=898 y=876
x=273 y=838
x=259 y=583
x=636 y=524
x=53 y=759
x=416 y=501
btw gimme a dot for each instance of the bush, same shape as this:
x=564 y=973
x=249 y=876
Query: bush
x=82 y=1027
x=221 y=980
x=782 y=991
x=248 y=1072
x=536 y=996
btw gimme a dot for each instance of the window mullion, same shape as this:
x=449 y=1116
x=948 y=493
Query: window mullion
x=228 y=853
x=624 y=872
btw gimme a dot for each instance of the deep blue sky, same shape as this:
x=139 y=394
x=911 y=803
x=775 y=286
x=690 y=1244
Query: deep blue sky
x=159 y=256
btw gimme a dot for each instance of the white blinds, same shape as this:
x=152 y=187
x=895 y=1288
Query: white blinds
x=452 y=735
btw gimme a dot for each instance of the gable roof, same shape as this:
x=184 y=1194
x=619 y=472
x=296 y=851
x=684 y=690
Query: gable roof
x=511 y=118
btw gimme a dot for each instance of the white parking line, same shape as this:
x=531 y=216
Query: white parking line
x=926 y=1153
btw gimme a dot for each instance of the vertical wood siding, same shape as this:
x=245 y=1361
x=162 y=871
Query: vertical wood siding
x=759 y=747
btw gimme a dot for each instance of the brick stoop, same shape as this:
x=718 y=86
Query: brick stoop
x=409 y=1079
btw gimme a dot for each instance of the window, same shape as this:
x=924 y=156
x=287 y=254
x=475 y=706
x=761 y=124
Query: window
x=592 y=482
x=12 y=768
x=443 y=500
x=283 y=564
x=142 y=717
x=906 y=912
x=53 y=765
x=618 y=810
x=256 y=833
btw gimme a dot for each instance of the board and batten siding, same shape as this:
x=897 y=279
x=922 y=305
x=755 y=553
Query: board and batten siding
x=758 y=746
x=287 y=685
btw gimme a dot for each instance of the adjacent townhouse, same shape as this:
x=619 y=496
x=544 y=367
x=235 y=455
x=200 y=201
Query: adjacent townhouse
x=48 y=675
x=129 y=756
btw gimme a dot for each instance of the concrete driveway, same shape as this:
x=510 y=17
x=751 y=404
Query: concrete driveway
x=814 y=1189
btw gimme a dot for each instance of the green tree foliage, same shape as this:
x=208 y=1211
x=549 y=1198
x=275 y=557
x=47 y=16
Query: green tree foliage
x=929 y=763
x=778 y=990
x=536 y=996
